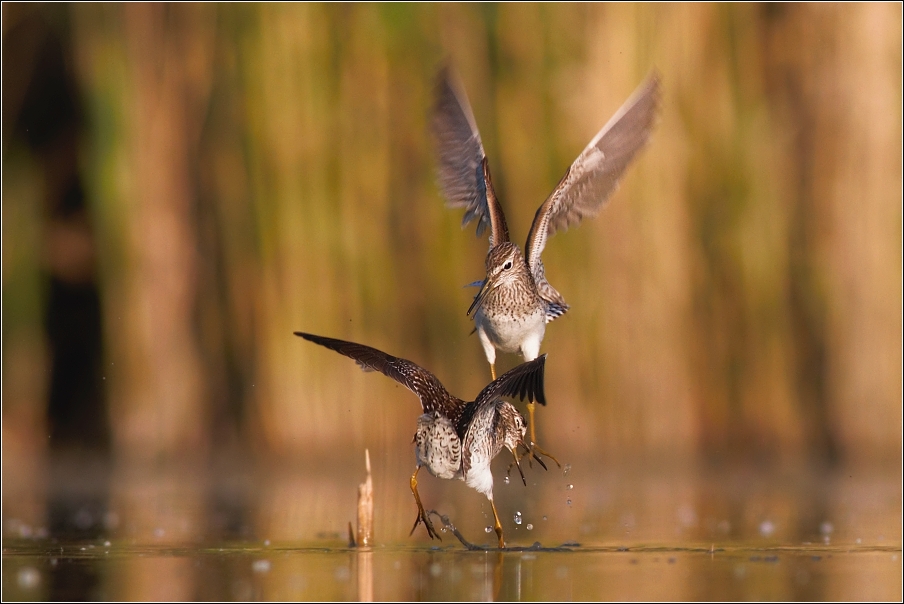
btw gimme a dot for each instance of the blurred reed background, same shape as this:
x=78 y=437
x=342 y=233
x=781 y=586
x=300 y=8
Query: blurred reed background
x=186 y=185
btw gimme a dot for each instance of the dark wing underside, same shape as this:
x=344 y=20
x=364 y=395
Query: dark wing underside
x=523 y=382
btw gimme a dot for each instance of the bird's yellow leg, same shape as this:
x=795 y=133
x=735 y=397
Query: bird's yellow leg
x=535 y=450
x=493 y=370
x=421 y=514
x=530 y=413
x=497 y=526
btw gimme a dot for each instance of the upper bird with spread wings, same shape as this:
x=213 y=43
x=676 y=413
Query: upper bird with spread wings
x=515 y=300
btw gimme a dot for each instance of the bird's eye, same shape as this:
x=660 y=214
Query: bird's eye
x=507 y=265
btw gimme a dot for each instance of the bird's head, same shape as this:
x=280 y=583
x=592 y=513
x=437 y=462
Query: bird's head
x=515 y=426
x=505 y=265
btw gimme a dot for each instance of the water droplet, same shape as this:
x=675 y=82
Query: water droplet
x=106 y=544
x=28 y=577
x=687 y=516
x=260 y=566
x=530 y=527
x=826 y=528
x=767 y=528
x=569 y=487
x=568 y=501
x=545 y=518
x=506 y=479
x=518 y=518
x=488 y=529
x=566 y=469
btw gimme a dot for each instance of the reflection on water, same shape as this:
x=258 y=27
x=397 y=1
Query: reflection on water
x=417 y=573
x=281 y=533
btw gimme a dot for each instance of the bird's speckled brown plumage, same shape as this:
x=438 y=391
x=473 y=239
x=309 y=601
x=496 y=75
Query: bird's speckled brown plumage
x=516 y=301
x=454 y=438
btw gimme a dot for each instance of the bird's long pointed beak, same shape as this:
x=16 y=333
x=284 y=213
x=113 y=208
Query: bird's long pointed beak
x=478 y=299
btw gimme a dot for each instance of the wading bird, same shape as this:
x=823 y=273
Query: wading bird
x=454 y=438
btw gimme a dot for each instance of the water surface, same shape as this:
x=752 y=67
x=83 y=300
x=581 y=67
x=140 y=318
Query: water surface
x=90 y=531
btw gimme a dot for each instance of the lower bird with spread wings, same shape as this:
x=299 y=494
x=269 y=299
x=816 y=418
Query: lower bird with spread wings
x=454 y=438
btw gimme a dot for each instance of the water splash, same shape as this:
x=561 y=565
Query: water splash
x=767 y=527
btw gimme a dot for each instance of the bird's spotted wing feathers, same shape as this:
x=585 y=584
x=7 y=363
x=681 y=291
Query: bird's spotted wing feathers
x=417 y=379
x=595 y=174
x=464 y=173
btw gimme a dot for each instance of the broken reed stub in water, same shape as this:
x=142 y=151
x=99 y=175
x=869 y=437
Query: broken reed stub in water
x=365 y=533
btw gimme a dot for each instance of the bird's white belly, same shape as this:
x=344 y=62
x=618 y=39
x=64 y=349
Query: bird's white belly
x=509 y=333
x=480 y=477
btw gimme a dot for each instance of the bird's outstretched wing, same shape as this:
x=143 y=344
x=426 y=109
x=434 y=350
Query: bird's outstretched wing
x=595 y=174
x=488 y=416
x=411 y=375
x=464 y=173
x=523 y=382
